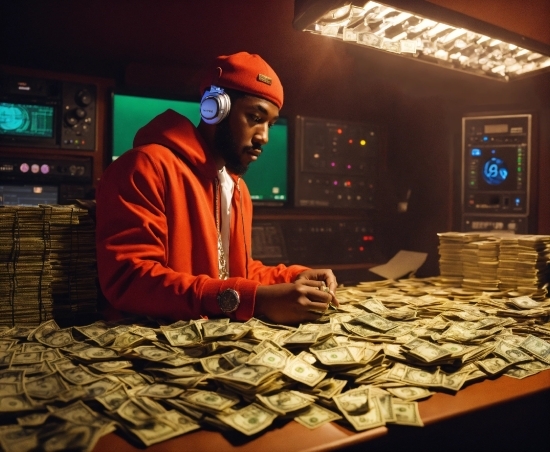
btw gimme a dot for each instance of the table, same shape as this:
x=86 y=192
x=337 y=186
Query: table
x=452 y=422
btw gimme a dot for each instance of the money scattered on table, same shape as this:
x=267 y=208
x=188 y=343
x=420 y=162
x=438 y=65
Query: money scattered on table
x=388 y=346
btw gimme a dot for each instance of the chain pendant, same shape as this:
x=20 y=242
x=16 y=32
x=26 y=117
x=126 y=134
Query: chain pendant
x=222 y=263
x=223 y=273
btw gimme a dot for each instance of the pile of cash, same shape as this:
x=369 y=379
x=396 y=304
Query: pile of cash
x=363 y=364
x=515 y=263
x=47 y=264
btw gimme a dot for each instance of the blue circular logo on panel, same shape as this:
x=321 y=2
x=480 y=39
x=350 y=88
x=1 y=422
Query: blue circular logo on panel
x=495 y=171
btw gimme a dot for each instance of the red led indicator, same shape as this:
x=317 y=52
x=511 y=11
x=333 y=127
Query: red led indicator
x=361 y=248
x=347 y=183
x=368 y=238
x=350 y=141
x=339 y=131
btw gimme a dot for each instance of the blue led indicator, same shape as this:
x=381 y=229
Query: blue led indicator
x=485 y=138
x=518 y=201
x=476 y=152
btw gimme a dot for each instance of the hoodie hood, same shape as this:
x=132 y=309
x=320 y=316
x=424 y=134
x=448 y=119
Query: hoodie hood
x=177 y=133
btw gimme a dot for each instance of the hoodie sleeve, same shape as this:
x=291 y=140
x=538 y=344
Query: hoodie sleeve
x=133 y=246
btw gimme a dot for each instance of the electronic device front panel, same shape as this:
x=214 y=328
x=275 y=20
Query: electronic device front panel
x=336 y=163
x=496 y=160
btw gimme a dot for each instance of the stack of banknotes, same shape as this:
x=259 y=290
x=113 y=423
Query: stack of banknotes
x=515 y=263
x=47 y=264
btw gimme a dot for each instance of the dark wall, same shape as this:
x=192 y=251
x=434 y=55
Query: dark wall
x=164 y=45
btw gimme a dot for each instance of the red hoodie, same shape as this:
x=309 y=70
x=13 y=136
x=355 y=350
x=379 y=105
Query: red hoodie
x=156 y=236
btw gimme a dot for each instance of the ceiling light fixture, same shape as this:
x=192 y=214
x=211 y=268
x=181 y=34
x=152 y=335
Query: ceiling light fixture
x=430 y=33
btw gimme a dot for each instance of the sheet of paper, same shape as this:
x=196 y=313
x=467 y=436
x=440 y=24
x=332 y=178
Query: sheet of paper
x=400 y=265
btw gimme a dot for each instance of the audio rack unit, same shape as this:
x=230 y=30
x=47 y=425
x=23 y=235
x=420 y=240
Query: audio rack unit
x=496 y=172
x=336 y=163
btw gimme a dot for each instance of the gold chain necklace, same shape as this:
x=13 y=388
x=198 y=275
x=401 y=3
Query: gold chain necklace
x=222 y=262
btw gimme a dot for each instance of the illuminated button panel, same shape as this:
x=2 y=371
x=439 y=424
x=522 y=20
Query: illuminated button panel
x=336 y=163
x=45 y=169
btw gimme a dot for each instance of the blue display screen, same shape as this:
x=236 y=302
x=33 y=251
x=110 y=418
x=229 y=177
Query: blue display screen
x=27 y=120
x=495 y=171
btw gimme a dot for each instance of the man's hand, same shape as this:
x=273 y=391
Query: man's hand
x=320 y=278
x=291 y=303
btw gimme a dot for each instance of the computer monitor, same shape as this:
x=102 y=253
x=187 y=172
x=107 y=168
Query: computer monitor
x=267 y=177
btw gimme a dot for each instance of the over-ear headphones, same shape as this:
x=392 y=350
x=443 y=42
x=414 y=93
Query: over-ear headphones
x=215 y=105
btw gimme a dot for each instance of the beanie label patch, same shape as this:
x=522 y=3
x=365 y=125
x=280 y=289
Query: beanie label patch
x=264 y=79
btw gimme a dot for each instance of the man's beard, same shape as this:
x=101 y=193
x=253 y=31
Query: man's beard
x=225 y=145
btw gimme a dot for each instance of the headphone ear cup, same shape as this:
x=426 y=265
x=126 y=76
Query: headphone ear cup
x=215 y=105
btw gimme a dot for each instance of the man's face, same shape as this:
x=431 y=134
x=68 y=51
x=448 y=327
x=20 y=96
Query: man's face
x=239 y=138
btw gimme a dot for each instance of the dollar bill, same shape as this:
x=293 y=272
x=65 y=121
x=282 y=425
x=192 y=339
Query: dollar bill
x=301 y=371
x=511 y=353
x=215 y=401
x=249 y=420
x=377 y=322
x=385 y=404
x=337 y=356
x=538 y=347
x=216 y=365
x=113 y=399
x=270 y=357
x=316 y=416
x=17 y=402
x=421 y=377
x=19 y=438
x=185 y=336
x=284 y=402
x=406 y=413
x=163 y=427
x=302 y=337
x=493 y=365
x=248 y=374
x=410 y=393
x=46 y=387
x=160 y=391
x=33 y=419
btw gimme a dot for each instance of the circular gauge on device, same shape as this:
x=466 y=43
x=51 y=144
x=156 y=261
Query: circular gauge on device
x=495 y=171
x=13 y=118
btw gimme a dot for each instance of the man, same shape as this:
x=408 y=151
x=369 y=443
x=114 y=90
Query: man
x=174 y=219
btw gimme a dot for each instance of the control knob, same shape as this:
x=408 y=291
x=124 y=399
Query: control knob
x=73 y=116
x=84 y=98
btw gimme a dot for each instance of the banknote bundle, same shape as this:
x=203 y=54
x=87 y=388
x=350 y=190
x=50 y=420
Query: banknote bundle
x=365 y=364
x=451 y=245
x=515 y=263
x=48 y=268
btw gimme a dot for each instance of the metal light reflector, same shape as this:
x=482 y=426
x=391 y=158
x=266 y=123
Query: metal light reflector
x=384 y=27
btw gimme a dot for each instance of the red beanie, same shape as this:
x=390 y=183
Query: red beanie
x=245 y=72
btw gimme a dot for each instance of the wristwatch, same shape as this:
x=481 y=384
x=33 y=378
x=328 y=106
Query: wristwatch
x=228 y=301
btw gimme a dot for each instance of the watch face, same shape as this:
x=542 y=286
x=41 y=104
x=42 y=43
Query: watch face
x=228 y=300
